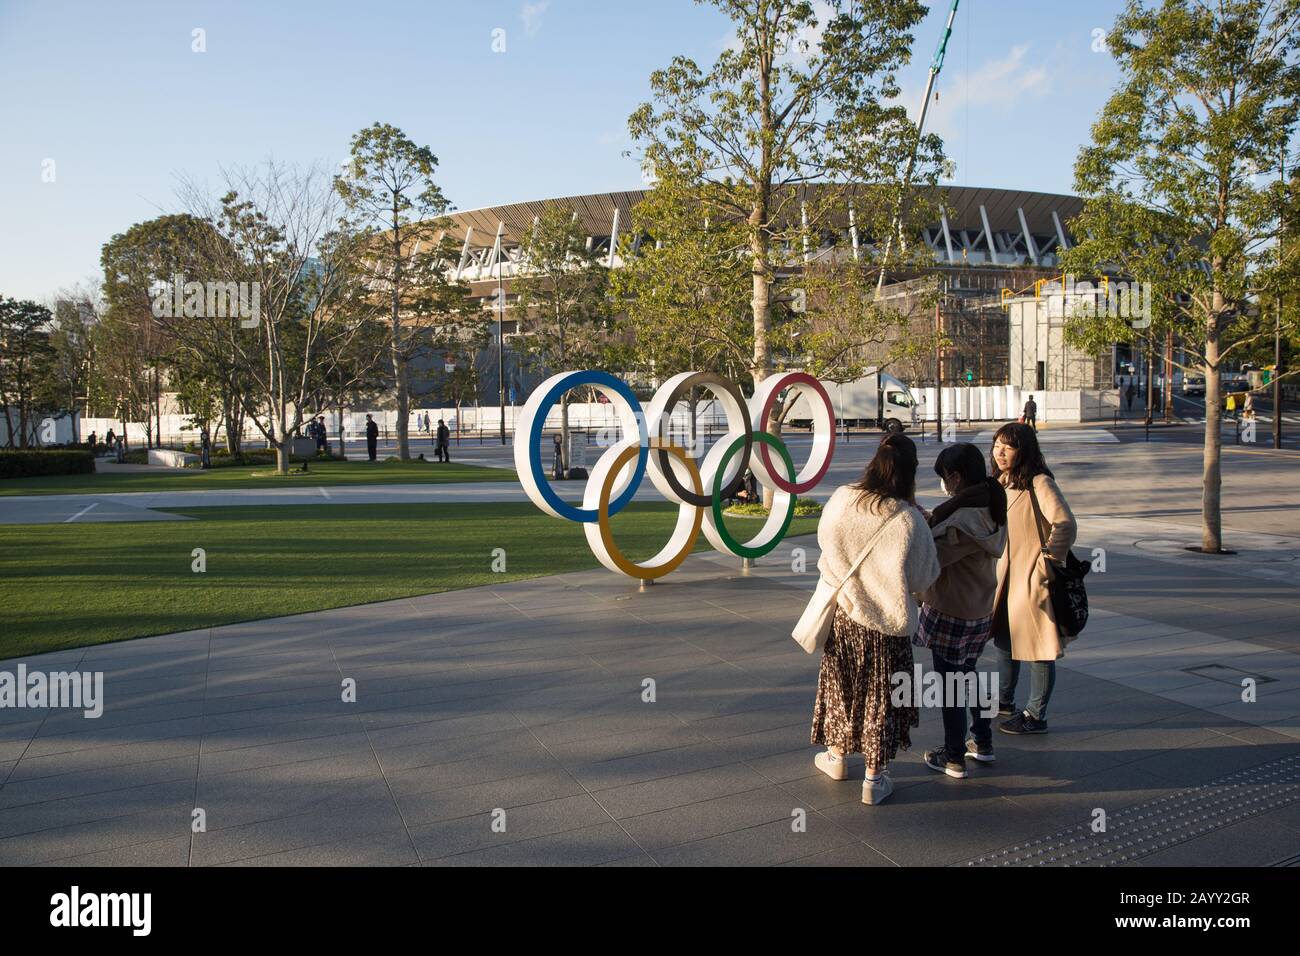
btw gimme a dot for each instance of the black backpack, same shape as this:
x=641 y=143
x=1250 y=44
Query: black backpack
x=1069 y=596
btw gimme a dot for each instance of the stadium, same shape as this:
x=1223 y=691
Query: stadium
x=988 y=240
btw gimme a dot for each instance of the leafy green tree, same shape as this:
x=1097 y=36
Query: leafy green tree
x=26 y=359
x=398 y=208
x=563 y=309
x=1181 y=185
x=794 y=101
x=276 y=230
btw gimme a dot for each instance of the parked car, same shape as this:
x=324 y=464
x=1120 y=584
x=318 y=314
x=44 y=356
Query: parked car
x=1193 y=384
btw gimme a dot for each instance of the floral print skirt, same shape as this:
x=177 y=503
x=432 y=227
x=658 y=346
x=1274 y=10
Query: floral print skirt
x=853 y=712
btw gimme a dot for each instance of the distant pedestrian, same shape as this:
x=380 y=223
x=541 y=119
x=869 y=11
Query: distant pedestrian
x=1232 y=406
x=205 y=447
x=109 y=439
x=970 y=533
x=321 y=434
x=372 y=437
x=426 y=423
x=444 y=437
x=1129 y=394
x=121 y=450
x=1031 y=413
x=874 y=524
x=91 y=442
x=1024 y=624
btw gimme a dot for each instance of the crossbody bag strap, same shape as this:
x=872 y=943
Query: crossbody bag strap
x=870 y=544
x=1038 y=522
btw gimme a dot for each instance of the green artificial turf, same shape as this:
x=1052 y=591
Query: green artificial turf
x=256 y=476
x=65 y=585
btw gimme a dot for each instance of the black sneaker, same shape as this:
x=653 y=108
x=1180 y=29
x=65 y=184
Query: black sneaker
x=941 y=761
x=1023 y=723
x=1006 y=710
x=976 y=752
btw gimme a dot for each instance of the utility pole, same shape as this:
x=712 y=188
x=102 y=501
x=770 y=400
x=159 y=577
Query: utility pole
x=938 y=364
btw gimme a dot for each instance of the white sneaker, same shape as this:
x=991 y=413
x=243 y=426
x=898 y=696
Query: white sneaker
x=837 y=768
x=876 y=791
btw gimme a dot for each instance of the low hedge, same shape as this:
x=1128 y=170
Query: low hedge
x=34 y=463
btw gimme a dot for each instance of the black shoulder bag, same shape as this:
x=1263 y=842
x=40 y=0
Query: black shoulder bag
x=1069 y=597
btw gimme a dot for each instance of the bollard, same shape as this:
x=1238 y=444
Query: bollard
x=645 y=585
x=746 y=564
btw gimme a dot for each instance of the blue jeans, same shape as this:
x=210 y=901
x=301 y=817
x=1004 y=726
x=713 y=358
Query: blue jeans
x=1042 y=678
x=954 y=716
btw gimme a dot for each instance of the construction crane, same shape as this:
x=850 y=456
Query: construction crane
x=936 y=65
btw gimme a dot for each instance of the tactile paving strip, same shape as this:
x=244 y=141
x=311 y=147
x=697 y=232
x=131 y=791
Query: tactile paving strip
x=1137 y=831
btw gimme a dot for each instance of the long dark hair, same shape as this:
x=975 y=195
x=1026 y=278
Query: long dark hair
x=891 y=473
x=1029 y=457
x=965 y=459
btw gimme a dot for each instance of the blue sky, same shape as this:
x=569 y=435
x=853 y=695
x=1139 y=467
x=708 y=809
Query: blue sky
x=113 y=93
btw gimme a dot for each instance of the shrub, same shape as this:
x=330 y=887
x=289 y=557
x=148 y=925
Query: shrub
x=803 y=508
x=34 y=463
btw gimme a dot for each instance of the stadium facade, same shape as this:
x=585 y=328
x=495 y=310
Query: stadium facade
x=987 y=241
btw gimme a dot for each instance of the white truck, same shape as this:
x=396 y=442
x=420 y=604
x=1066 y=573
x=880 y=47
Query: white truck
x=876 y=399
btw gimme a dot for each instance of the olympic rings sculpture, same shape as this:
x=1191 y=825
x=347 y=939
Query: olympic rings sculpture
x=698 y=489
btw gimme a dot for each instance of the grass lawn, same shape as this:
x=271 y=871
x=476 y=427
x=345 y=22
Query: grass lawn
x=75 y=585
x=256 y=476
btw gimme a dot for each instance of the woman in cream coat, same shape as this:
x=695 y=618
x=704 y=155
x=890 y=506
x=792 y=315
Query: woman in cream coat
x=876 y=616
x=1024 y=626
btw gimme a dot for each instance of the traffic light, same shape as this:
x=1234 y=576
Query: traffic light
x=970 y=376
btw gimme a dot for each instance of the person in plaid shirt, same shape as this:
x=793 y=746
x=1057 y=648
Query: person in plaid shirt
x=970 y=534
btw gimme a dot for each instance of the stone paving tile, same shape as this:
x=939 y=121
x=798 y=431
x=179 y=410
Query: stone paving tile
x=423 y=808
x=709 y=818
x=763 y=845
x=854 y=854
x=522 y=756
x=103 y=834
x=103 y=780
x=70 y=811
x=174 y=851
x=680 y=789
x=283 y=752
x=467 y=834
x=15 y=738
x=235 y=799
x=354 y=811
x=590 y=846
x=370 y=849
x=103 y=740
x=935 y=823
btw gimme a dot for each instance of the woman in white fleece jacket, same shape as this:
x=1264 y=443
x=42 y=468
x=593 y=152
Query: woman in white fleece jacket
x=876 y=617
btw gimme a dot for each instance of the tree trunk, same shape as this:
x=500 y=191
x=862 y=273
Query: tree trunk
x=1211 y=471
x=282 y=457
x=403 y=398
x=760 y=305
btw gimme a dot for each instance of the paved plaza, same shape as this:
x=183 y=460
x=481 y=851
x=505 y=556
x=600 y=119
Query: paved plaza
x=515 y=724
